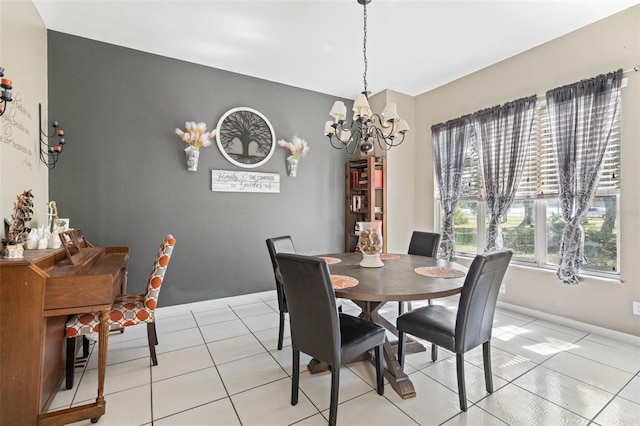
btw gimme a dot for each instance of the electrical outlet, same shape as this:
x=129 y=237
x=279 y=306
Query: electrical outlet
x=503 y=290
x=636 y=308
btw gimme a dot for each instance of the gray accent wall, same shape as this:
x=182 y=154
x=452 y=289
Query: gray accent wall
x=122 y=177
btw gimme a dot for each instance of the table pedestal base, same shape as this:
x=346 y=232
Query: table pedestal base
x=397 y=378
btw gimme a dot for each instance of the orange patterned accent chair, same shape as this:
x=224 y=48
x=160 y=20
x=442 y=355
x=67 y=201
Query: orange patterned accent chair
x=127 y=310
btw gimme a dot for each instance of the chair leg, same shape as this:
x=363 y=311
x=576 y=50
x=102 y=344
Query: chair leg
x=281 y=331
x=70 y=361
x=400 y=308
x=85 y=346
x=462 y=392
x=486 y=356
x=295 y=377
x=335 y=386
x=379 y=369
x=402 y=340
x=434 y=352
x=152 y=338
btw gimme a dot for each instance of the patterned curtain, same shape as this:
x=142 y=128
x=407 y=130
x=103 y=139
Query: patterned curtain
x=581 y=117
x=503 y=134
x=449 y=146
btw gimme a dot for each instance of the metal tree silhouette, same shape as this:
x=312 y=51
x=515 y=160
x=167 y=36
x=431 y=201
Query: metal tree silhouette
x=239 y=130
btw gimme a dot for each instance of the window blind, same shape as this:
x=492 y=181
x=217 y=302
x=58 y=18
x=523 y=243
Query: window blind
x=545 y=161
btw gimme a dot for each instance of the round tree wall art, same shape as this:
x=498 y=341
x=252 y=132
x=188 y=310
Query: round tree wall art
x=245 y=137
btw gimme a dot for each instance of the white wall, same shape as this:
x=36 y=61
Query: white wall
x=400 y=182
x=602 y=47
x=23 y=54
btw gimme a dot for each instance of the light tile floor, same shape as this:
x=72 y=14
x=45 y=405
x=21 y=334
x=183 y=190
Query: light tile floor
x=219 y=365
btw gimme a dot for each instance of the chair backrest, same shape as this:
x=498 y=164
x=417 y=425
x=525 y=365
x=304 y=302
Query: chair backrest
x=478 y=299
x=424 y=243
x=277 y=245
x=313 y=317
x=157 y=273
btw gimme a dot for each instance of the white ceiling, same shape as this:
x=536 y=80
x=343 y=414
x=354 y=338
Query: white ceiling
x=413 y=46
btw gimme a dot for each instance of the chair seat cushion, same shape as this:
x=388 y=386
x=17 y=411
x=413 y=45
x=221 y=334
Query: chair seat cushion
x=127 y=310
x=434 y=323
x=357 y=336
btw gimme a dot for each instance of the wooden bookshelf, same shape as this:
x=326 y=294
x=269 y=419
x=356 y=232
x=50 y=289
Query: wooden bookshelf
x=365 y=197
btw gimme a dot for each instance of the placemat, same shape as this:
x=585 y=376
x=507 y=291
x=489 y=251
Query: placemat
x=331 y=260
x=343 y=281
x=439 y=272
x=388 y=256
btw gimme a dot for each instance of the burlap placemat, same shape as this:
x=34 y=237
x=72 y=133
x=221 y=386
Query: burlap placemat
x=388 y=256
x=343 y=281
x=439 y=272
x=331 y=260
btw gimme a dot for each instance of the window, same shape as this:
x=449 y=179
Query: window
x=535 y=217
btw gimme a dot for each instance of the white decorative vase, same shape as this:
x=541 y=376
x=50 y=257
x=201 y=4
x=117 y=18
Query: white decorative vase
x=370 y=244
x=192 y=158
x=292 y=166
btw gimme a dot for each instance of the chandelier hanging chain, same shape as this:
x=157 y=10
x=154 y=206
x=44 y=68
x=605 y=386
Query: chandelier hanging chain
x=364 y=51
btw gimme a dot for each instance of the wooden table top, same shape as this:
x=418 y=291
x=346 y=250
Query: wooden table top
x=397 y=280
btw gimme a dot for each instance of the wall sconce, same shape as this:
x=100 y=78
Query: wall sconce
x=49 y=154
x=5 y=95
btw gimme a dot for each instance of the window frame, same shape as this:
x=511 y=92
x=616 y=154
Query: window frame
x=540 y=143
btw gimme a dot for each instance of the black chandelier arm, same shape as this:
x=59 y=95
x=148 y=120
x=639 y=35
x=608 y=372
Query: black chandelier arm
x=381 y=122
x=345 y=145
x=389 y=142
x=357 y=131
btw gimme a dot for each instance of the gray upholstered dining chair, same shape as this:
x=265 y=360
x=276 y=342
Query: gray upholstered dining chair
x=467 y=328
x=421 y=244
x=277 y=245
x=319 y=330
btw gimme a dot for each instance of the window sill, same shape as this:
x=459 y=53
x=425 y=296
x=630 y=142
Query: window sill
x=466 y=260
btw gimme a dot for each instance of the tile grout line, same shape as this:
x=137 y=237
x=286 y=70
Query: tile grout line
x=215 y=365
x=274 y=359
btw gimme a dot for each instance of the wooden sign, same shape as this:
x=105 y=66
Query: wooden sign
x=235 y=181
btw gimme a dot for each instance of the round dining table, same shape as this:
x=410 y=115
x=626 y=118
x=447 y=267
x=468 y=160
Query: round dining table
x=403 y=277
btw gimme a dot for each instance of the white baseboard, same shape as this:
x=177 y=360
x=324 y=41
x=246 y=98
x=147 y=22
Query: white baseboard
x=589 y=328
x=249 y=298
x=218 y=303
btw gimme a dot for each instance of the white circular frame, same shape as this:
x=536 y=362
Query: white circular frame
x=230 y=155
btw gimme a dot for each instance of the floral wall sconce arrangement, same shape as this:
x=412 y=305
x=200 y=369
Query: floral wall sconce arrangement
x=298 y=148
x=195 y=137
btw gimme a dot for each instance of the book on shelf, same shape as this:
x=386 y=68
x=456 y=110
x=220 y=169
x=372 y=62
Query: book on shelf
x=357 y=203
x=378 y=180
x=355 y=179
x=360 y=179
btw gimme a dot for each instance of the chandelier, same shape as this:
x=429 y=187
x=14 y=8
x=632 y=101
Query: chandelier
x=367 y=128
